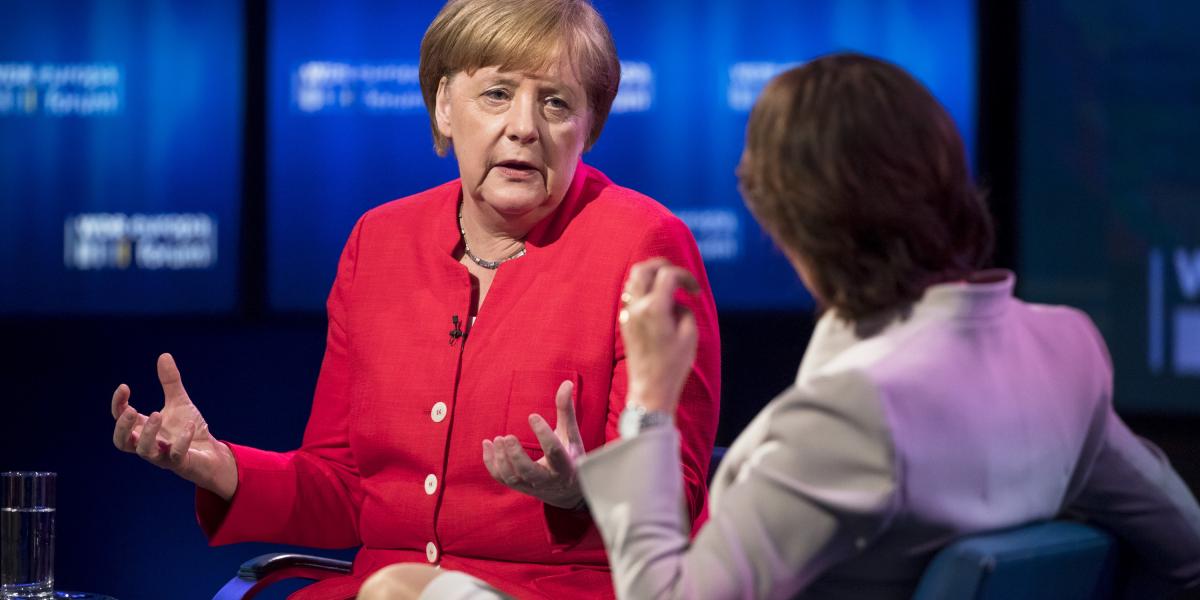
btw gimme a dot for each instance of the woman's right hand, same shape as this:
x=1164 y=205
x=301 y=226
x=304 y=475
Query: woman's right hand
x=176 y=438
x=660 y=334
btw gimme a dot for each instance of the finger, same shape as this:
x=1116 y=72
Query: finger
x=120 y=399
x=123 y=437
x=668 y=279
x=556 y=454
x=179 y=447
x=172 y=383
x=688 y=281
x=503 y=467
x=147 y=444
x=489 y=460
x=528 y=471
x=688 y=329
x=641 y=276
x=567 y=425
x=623 y=316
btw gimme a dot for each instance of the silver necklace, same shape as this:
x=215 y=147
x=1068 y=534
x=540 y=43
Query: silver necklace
x=483 y=262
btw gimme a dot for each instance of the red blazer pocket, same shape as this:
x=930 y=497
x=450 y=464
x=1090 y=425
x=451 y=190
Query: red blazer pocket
x=533 y=392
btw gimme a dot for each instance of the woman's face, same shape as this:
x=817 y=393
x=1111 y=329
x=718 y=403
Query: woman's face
x=517 y=136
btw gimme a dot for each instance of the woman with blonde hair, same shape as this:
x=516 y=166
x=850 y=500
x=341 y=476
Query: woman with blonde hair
x=455 y=315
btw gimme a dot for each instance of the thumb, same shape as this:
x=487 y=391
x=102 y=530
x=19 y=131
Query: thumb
x=567 y=425
x=689 y=334
x=172 y=384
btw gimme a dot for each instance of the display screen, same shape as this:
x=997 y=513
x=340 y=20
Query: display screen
x=348 y=129
x=1109 y=189
x=120 y=156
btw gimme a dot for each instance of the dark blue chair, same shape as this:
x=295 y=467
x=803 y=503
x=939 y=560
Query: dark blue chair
x=1059 y=560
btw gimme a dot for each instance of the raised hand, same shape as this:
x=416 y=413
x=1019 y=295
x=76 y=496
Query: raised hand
x=552 y=478
x=175 y=438
x=660 y=334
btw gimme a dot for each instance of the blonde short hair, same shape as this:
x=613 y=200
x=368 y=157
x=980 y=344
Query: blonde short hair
x=520 y=35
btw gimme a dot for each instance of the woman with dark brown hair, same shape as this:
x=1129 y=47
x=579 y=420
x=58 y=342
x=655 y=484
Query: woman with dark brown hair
x=930 y=403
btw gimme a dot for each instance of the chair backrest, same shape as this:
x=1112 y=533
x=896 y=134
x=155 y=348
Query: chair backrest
x=1059 y=559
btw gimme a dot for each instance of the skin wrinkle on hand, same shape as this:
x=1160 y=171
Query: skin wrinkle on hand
x=177 y=437
x=552 y=478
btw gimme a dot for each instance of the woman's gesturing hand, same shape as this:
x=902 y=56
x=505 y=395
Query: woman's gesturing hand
x=176 y=438
x=552 y=478
x=660 y=334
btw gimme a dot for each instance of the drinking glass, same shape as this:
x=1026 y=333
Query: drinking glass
x=27 y=535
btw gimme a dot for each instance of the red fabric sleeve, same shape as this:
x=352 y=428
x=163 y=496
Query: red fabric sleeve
x=699 y=404
x=265 y=506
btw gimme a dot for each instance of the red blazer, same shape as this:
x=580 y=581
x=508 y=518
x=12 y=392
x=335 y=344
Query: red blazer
x=392 y=458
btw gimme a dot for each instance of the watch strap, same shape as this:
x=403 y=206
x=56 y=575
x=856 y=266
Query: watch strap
x=636 y=419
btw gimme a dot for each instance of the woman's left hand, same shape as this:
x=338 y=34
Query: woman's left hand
x=551 y=478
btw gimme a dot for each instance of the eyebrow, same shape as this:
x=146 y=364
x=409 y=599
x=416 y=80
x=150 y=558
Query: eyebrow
x=501 y=80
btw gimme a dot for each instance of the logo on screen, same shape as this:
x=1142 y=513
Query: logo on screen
x=60 y=89
x=1175 y=313
x=747 y=79
x=636 y=92
x=171 y=241
x=716 y=231
x=326 y=86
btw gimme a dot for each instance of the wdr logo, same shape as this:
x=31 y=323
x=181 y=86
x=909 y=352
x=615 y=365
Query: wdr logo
x=1184 y=311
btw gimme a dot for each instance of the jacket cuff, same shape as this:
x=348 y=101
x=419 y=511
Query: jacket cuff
x=566 y=528
x=260 y=505
x=641 y=473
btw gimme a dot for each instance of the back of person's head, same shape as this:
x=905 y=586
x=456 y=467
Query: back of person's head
x=856 y=169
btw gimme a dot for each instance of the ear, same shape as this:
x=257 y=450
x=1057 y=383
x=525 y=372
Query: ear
x=442 y=107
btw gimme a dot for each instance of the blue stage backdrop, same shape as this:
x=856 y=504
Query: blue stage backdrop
x=120 y=156
x=1109 y=185
x=348 y=129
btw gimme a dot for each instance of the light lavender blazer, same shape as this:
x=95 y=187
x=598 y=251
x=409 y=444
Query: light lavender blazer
x=976 y=412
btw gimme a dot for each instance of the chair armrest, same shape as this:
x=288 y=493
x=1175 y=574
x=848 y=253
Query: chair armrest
x=1056 y=559
x=261 y=566
x=261 y=571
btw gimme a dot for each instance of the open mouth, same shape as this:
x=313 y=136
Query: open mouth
x=517 y=169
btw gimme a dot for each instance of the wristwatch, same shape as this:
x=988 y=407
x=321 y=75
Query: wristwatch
x=635 y=419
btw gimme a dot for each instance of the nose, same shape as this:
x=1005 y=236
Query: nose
x=523 y=116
